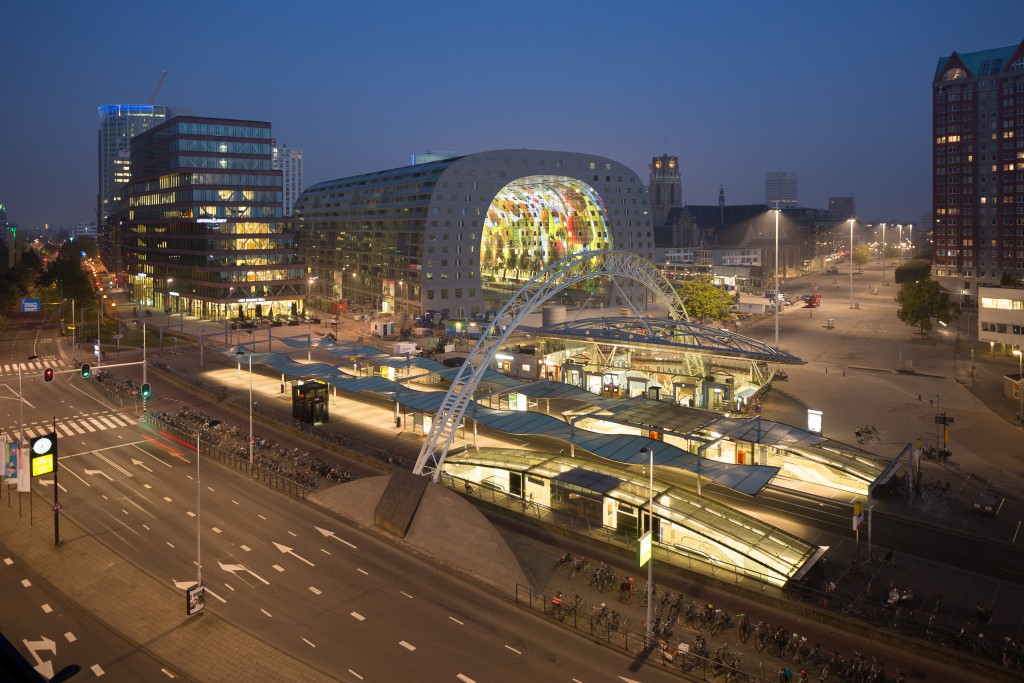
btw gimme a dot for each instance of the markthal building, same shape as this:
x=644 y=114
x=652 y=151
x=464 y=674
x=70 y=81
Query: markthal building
x=459 y=236
x=449 y=242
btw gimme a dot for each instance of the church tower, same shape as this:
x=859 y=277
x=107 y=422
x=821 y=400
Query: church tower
x=665 y=190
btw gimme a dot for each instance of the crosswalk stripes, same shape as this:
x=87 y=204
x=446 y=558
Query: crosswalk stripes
x=76 y=426
x=32 y=366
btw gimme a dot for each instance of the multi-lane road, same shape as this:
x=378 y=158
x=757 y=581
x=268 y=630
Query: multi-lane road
x=332 y=596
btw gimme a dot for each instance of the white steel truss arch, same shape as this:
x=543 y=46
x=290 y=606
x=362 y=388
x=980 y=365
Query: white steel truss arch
x=584 y=265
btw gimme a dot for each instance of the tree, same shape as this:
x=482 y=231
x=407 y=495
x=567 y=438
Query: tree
x=703 y=300
x=923 y=300
x=915 y=270
x=861 y=255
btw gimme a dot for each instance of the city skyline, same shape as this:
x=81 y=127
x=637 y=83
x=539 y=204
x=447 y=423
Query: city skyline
x=360 y=91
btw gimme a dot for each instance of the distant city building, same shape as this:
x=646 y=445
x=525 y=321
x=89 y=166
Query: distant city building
x=431 y=155
x=460 y=236
x=978 y=164
x=842 y=208
x=119 y=123
x=289 y=161
x=83 y=230
x=205 y=231
x=665 y=189
x=780 y=189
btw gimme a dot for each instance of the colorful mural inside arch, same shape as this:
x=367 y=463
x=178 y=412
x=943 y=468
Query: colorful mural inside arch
x=535 y=221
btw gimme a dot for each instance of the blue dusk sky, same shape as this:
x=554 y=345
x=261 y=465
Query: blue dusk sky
x=837 y=92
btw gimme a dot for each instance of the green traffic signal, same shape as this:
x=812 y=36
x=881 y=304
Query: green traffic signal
x=86 y=370
x=145 y=391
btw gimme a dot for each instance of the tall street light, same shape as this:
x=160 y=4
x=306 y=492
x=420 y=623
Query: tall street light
x=776 y=275
x=650 y=562
x=1020 y=382
x=851 y=263
x=883 y=254
x=251 y=441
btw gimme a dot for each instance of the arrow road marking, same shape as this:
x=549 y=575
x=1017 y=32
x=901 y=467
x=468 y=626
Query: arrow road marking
x=241 y=568
x=94 y=472
x=139 y=463
x=331 y=534
x=34 y=647
x=288 y=551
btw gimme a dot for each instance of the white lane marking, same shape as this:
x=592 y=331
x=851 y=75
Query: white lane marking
x=147 y=486
x=355 y=674
x=229 y=587
x=325 y=552
x=114 y=465
x=97 y=670
x=211 y=489
x=292 y=533
x=170 y=544
x=267 y=613
x=358 y=616
x=190 y=513
x=241 y=568
x=245 y=548
x=46 y=608
x=145 y=527
x=169 y=500
x=8 y=561
x=234 y=501
x=308 y=642
x=509 y=647
x=315 y=590
x=325 y=532
x=70 y=637
x=167 y=673
x=406 y=595
x=363 y=571
x=262 y=517
x=456 y=621
x=277 y=567
x=288 y=551
x=465 y=679
x=210 y=592
x=216 y=530
x=407 y=646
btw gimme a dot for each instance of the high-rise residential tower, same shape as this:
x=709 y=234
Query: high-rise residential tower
x=204 y=228
x=665 y=189
x=978 y=164
x=289 y=162
x=780 y=189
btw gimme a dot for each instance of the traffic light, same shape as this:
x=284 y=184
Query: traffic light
x=48 y=375
x=86 y=370
x=145 y=390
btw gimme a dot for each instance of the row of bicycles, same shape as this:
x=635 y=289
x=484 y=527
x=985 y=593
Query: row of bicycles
x=299 y=466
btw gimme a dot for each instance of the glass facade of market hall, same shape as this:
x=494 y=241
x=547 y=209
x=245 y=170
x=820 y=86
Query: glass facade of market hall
x=204 y=228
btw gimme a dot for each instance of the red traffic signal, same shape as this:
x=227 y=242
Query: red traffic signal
x=48 y=375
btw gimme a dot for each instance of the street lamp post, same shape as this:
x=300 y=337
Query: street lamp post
x=251 y=442
x=1020 y=383
x=650 y=562
x=777 y=276
x=883 y=256
x=851 y=263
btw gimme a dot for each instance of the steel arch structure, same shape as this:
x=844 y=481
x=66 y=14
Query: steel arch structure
x=584 y=265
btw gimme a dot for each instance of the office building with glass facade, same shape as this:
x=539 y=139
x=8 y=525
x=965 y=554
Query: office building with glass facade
x=461 y=235
x=204 y=229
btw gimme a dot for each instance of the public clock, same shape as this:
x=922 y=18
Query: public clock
x=671 y=163
x=42 y=445
x=657 y=164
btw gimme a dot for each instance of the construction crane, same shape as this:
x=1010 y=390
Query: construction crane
x=156 y=90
